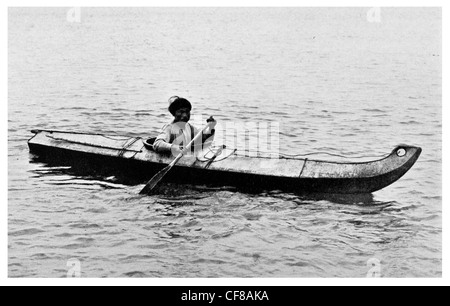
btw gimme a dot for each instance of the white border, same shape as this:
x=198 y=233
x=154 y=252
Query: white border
x=225 y=281
x=229 y=3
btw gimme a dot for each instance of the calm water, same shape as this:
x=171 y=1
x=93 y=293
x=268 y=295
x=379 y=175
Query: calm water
x=334 y=81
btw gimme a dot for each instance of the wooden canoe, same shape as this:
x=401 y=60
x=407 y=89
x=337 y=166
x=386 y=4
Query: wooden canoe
x=303 y=175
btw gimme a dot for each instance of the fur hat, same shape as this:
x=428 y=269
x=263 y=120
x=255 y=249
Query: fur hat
x=175 y=103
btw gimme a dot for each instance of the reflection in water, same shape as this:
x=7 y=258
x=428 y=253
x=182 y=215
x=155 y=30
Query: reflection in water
x=82 y=168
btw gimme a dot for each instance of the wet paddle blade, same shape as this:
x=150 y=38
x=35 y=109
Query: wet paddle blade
x=155 y=180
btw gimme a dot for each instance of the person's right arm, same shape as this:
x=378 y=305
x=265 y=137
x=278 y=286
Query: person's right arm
x=161 y=144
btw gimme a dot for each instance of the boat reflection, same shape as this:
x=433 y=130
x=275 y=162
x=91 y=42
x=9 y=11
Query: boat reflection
x=83 y=168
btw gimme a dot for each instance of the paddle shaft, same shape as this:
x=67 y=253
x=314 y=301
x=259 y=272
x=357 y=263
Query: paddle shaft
x=158 y=177
x=186 y=149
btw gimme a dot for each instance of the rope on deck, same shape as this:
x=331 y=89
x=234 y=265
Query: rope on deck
x=126 y=146
x=303 y=167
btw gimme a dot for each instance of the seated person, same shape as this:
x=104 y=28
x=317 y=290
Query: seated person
x=177 y=134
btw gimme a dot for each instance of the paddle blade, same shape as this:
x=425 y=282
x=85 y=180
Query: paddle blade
x=155 y=180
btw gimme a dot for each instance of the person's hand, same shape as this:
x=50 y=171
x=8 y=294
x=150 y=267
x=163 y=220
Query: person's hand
x=212 y=122
x=176 y=150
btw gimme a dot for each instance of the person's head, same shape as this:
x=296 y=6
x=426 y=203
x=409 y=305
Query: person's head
x=180 y=108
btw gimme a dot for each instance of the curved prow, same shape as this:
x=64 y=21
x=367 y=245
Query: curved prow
x=361 y=177
x=402 y=158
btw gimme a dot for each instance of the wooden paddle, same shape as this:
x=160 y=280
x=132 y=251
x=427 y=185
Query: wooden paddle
x=159 y=176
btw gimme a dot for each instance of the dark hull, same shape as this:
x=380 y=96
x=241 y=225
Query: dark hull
x=136 y=171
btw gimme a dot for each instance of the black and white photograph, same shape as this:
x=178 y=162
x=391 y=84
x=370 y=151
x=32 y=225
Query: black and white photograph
x=187 y=142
